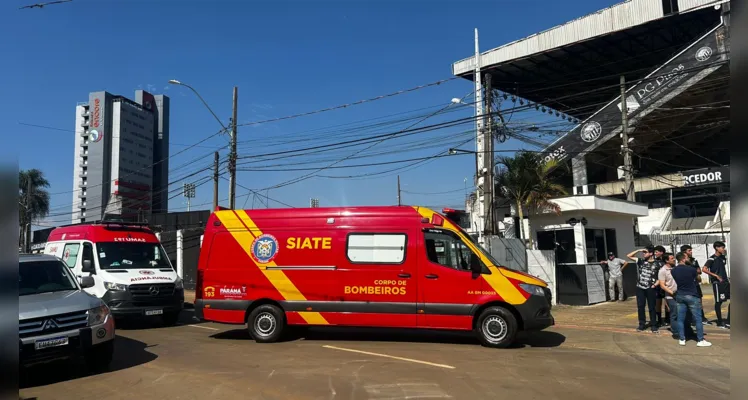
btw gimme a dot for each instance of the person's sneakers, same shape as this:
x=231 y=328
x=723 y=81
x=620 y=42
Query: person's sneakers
x=706 y=322
x=640 y=329
x=727 y=326
x=682 y=342
x=723 y=326
x=703 y=343
x=656 y=331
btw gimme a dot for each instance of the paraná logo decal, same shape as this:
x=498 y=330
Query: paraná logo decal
x=265 y=248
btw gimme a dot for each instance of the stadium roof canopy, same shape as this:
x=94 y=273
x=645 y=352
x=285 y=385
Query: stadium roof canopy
x=575 y=68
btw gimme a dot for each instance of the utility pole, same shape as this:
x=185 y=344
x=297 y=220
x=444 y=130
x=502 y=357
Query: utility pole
x=627 y=167
x=480 y=150
x=399 y=203
x=232 y=154
x=27 y=225
x=215 y=181
x=488 y=160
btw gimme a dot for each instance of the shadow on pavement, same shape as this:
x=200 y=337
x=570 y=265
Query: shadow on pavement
x=186 y=317
x=524 y=339
x=128 y=353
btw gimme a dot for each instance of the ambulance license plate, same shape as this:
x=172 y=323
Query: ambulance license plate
x=54 y=342
x=154 y=312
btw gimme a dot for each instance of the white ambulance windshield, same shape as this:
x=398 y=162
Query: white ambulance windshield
x=119 y=255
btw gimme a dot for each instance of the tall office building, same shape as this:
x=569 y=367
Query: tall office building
x=121 y=157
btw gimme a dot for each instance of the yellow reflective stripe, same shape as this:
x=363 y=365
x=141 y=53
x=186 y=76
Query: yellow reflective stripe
x=237 y=224
x=523 y=278
x=498 y=282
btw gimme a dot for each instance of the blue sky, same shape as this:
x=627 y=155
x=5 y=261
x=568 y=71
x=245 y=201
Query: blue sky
x=286 y=57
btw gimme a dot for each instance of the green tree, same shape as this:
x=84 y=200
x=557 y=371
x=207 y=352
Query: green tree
x=33 y=200
x=526 y=181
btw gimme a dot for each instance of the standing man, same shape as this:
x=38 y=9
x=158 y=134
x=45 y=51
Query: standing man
x=615 y=275
x=659 y=253
x=646 y=271
x=686 y=277
x=716 y=268
x=668 y=285
x=695 y=263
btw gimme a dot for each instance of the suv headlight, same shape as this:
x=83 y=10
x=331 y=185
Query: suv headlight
x=115 y=287
x=179 y=284
x=532 y=289
x=97 y=315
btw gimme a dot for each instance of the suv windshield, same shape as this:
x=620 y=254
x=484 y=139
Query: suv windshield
x=37 y=277
x=123 y=255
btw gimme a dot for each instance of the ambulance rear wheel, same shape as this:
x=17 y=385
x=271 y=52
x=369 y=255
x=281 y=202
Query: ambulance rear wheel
x=496 y=327
x=266 y=323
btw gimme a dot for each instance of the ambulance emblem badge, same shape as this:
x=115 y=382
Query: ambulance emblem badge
x=264 y=248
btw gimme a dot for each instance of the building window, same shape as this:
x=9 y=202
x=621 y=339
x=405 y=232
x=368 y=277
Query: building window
x=599 y=242
x=376 y=248
x=70 y=254
x=562 y=242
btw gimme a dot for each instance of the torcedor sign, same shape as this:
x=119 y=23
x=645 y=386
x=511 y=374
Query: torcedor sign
x=706 y=176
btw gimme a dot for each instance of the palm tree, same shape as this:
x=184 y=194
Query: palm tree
x=526 y=181
x=33 y=203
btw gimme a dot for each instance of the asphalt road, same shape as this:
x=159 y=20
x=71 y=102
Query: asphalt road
x=212 y=361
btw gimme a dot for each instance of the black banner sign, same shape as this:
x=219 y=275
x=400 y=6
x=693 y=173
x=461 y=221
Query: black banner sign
x=706 y=176
x=601 y=126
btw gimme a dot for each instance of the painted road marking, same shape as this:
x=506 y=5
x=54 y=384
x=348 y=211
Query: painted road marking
x=201 y=327
x=389 y=356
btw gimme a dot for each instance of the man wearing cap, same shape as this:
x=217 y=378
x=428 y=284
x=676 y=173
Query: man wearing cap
x=716 y=268
x=615 y=275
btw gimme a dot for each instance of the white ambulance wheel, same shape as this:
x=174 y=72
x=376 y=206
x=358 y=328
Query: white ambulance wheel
x=496 y=327
x=266 y=323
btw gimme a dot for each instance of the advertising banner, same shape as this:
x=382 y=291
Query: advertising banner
x=604 y=124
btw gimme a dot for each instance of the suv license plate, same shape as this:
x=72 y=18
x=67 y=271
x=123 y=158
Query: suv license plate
x=154 y=312
x=54 y=342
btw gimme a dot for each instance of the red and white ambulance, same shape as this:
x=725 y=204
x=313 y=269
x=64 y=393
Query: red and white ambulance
x=397 y=267
x=131 y=271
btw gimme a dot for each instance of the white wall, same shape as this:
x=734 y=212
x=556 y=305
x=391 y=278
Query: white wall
x=653 y=220
x=542 y=263
x=622 y=224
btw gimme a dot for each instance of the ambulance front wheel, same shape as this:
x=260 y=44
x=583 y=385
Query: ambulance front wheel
x=266 y=323
x=496 y=327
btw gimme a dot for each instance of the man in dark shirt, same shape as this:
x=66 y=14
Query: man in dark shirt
x=716 y=268
x=646 y=282
x=695 y=263
x=659 y=254
x=686 y=296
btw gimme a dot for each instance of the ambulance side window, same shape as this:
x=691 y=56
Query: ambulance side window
x=70 y=254
x=376 y=248
x=446 y=249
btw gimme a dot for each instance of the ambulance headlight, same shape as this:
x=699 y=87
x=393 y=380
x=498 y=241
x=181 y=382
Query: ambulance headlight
x=115 y=287
x=534 y=290
x=179 y=284
x=97 y=315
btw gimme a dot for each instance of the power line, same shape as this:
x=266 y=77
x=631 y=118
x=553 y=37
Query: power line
x=355 y=103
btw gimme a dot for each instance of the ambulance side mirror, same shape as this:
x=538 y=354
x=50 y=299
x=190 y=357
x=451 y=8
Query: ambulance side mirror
x=475 y=264
x=88 y=267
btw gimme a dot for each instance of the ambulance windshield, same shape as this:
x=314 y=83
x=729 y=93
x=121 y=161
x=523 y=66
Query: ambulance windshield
x=124 y=255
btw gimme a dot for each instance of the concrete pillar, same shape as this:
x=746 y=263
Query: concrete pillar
x=180 y=253
x=580 y=243
x=579 y=170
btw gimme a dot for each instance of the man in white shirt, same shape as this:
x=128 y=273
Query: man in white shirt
x=615 y=275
